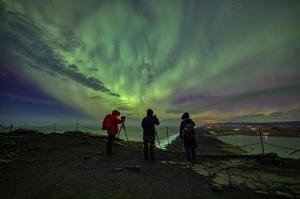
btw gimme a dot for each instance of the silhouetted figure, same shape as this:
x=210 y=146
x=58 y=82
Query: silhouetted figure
x=110 y=123
x=10 y=128
x=187 y=133
x=148 y=125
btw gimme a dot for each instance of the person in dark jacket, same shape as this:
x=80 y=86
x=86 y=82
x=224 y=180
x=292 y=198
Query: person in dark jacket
x=187 y=134
x=148 y=125
x=113 y=130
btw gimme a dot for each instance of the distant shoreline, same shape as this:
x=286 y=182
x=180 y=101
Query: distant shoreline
x=264 y=132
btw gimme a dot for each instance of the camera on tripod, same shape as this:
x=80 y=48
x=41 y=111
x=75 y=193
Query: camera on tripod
x=122 y=127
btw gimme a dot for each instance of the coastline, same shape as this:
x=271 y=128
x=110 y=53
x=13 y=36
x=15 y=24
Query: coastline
x=208 y=145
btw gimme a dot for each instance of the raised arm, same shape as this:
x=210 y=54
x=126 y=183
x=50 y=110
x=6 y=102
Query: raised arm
x=118 y=121
x=156 y=121
x=193 y=123
x=143 y=123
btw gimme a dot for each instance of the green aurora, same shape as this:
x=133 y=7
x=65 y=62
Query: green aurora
x=220 y=60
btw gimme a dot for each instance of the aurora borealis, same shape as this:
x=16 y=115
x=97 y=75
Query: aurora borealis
x=220 y=60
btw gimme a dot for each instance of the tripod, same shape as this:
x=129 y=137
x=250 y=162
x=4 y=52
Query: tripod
x=157 y=139
x=122 y=127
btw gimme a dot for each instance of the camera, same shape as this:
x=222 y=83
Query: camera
x=123 y=118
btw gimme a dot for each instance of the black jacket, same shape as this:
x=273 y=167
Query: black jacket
x=148 y=125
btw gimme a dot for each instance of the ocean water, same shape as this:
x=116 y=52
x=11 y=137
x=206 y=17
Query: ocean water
x=283 y=146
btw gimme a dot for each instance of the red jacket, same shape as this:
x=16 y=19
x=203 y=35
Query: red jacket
x=115 y=121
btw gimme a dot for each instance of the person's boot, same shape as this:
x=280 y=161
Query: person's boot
x=109 y=151
x=146 y=154
x=152 y=158
x=151 y=154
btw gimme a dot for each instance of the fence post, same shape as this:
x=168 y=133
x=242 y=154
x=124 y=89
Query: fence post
x=168 y=135
x=261 y=141
x=76 y=126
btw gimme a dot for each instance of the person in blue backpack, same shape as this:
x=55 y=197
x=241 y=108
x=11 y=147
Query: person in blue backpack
x=187 y=134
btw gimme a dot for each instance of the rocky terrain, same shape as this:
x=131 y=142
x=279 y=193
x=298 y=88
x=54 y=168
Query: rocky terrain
x=74 y=165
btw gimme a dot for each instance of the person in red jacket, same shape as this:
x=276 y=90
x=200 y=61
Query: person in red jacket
x=112 y=129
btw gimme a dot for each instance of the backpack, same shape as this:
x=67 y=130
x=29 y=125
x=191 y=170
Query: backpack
x=107 y=122
x=189 y=130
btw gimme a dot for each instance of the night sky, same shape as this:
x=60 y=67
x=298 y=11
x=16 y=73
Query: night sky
x=220 y=60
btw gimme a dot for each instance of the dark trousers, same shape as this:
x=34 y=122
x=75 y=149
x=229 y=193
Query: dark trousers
x=190 y=148
x=148 y=149
x=109 y=144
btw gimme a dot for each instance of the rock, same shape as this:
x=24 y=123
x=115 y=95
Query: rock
x=99 y=153
x=133 y=168
x=272 y=178
x=256 y=185
x=221 y=179
x=86 y=157
x=283 y=194
x=30 y=161
x=262 y=192
x=201 y=170
x=130 y=168
x=5 y=161
x=10 y=145
x=237 y=181
x=186 y=167
x=270 y=158
x=295 y=189
x=217 y=188
x=230 y=163
x=10 y=155
x=118 y=169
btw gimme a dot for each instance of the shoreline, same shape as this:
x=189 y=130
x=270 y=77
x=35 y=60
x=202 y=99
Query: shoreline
x=224 y=132
x=208 y=144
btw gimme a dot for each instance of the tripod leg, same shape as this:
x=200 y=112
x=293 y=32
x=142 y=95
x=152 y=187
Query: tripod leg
x=118 y=135
x=125 y=132
x=157 y=139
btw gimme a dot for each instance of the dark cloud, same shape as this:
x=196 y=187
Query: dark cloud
x=95 y=97
x=250 y=116
x=192 y=97
x=276 y=114
x=260 y=98
x=23 y=42
x=180 y=111
x=20 y=98
x=93 y=69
